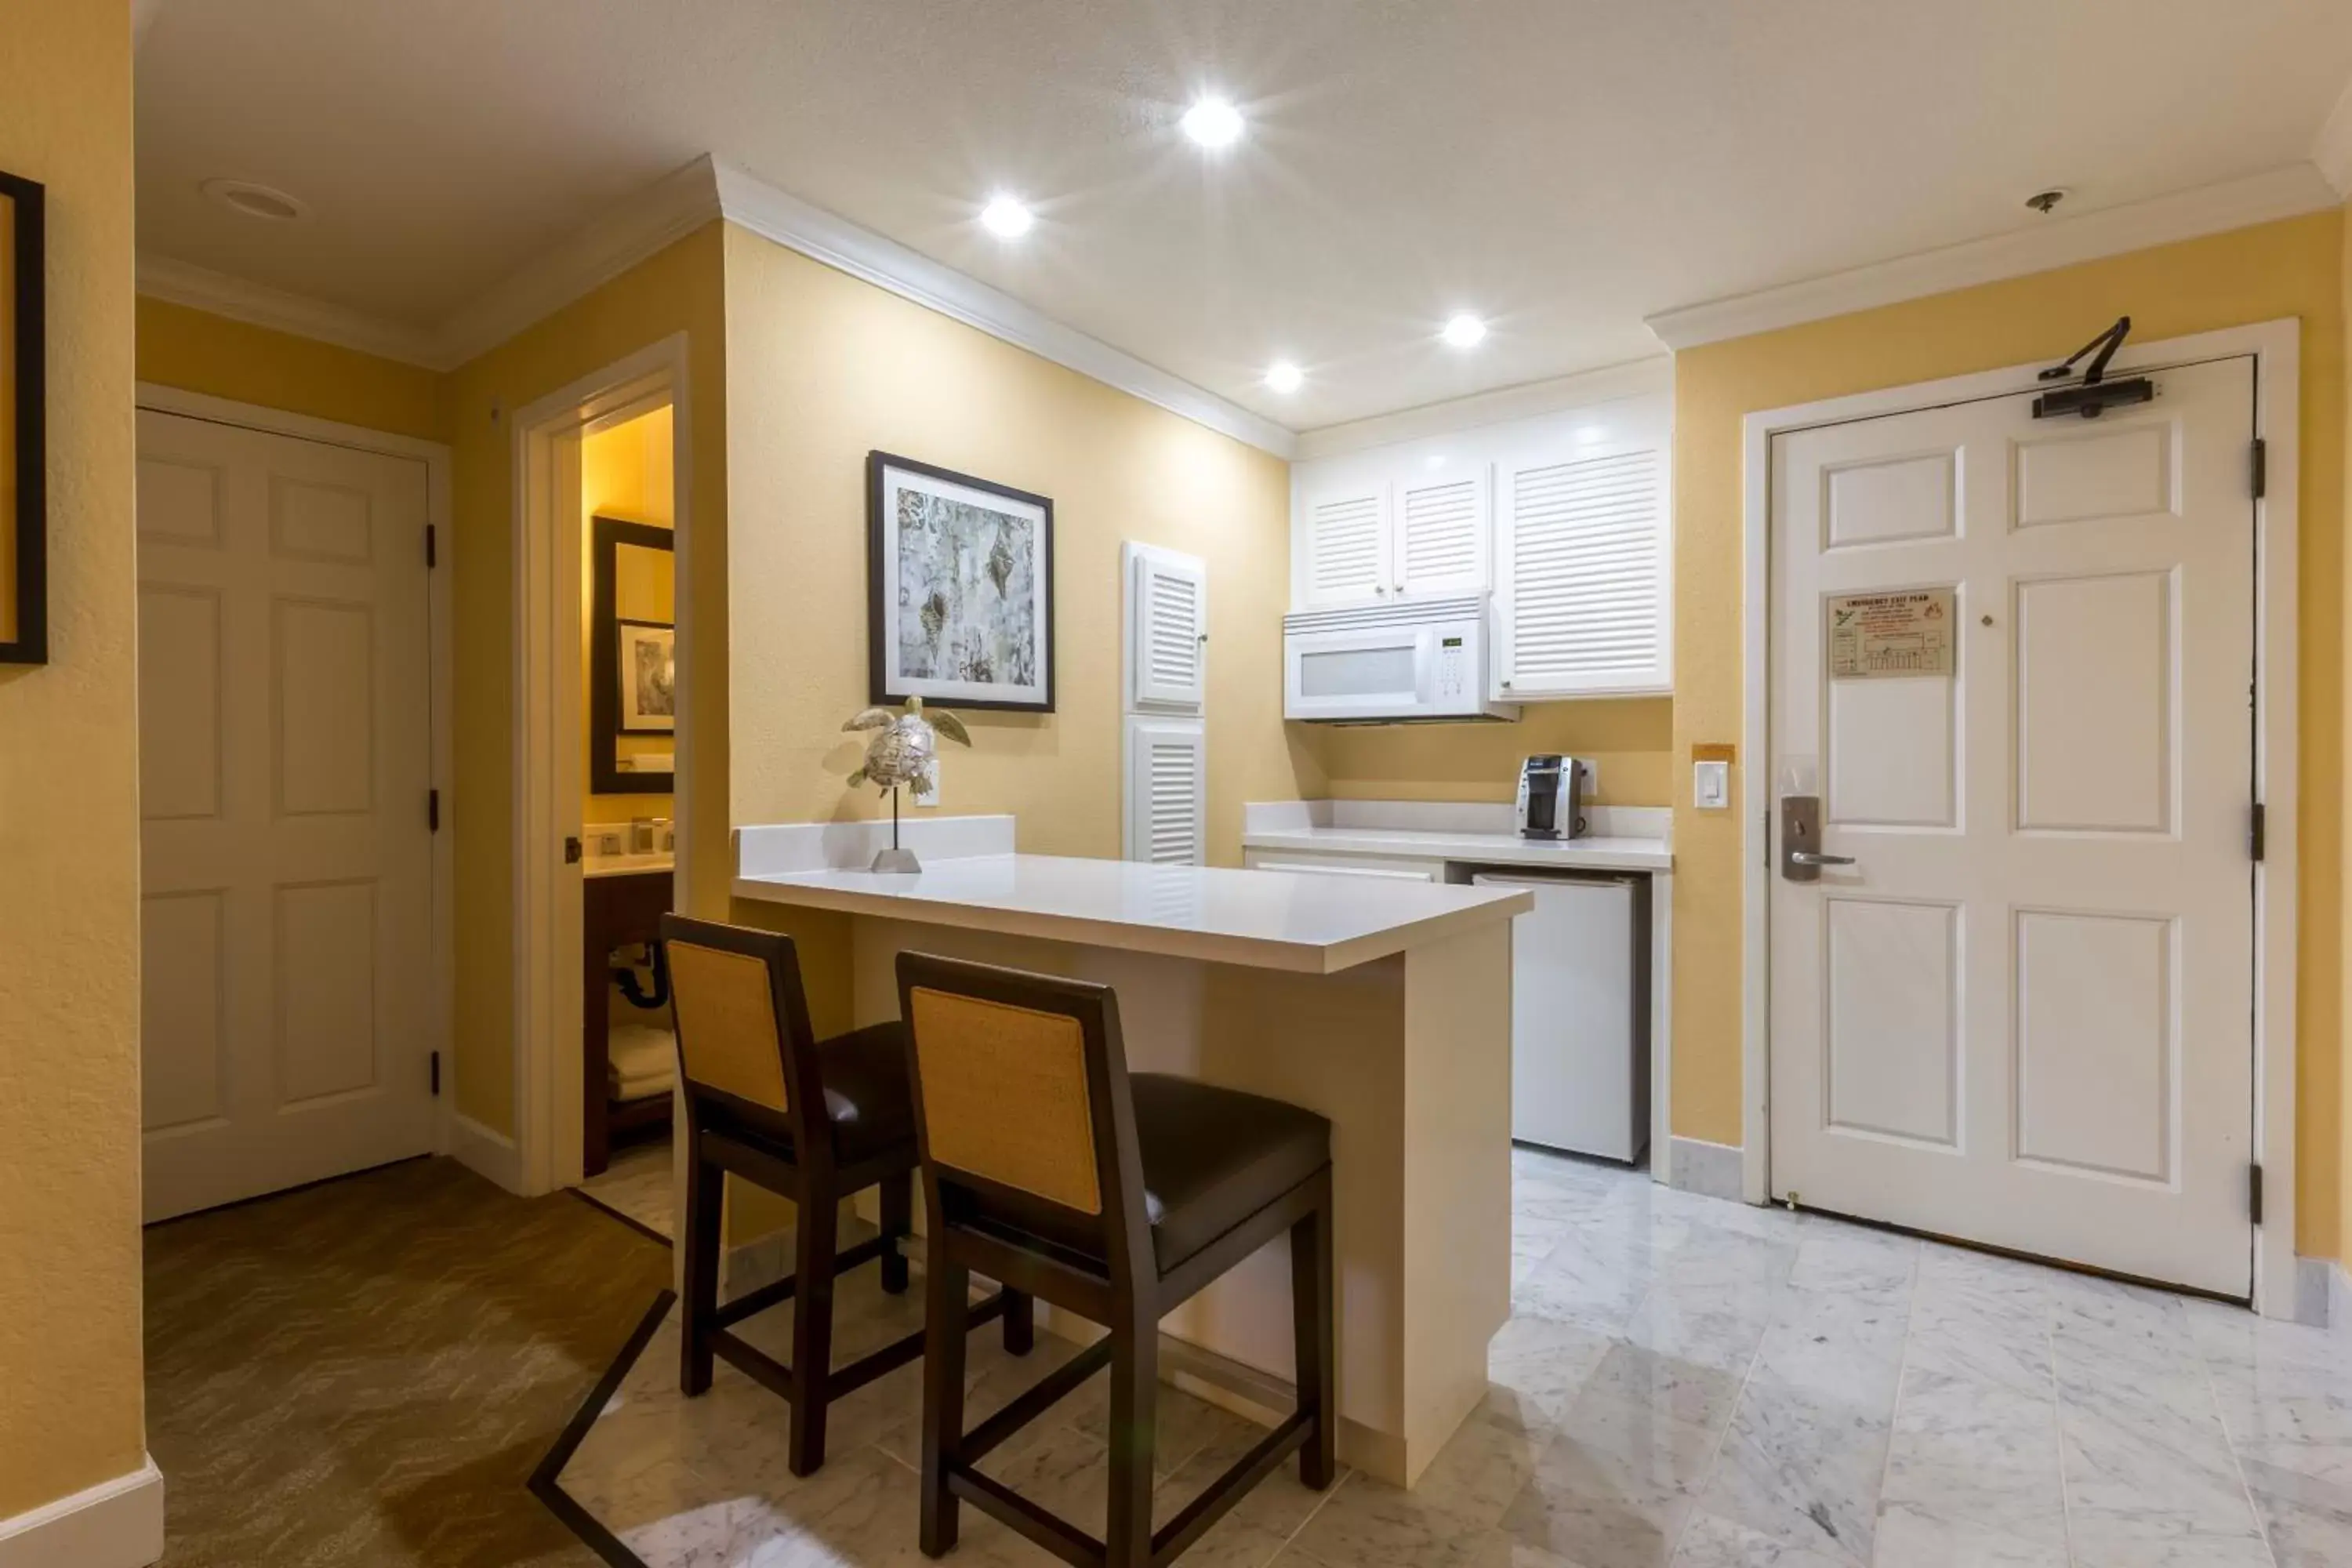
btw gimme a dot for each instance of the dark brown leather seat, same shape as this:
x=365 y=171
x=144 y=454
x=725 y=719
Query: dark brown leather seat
x=866 y=1101
x=1212 y=1158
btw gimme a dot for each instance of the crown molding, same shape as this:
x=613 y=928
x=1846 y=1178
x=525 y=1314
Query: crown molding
x=2332 y=152
x=2282 y=193
x=646 y=222
x=259 y=304
x=763 y=209
x=1529 y=400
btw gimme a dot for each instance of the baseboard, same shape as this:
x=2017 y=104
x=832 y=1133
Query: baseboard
x=2323 y=1295
x=492 y=1155
x=114 y=1524
x=1710 y=1170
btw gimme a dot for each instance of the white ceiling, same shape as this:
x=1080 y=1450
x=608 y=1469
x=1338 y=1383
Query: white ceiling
x=1564 y=166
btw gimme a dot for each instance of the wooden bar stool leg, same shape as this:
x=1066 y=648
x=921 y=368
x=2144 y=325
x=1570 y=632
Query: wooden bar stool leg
x=1019 y=1322
x=706 y=1190
x=1134 y=1414
x=815 y=1227
x=1312 y=1307
x=898 y=1228
x=945 y=1286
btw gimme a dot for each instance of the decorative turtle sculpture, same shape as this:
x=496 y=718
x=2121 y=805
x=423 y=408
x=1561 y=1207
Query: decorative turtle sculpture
x=903 y=751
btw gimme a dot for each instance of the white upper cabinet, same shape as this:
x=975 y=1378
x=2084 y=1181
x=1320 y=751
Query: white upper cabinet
x=1562 y=517
x=1170 y=622
x=1442 y=532
x=1581 y=575
x=1348 y=548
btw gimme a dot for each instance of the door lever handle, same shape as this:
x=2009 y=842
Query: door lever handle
x=1808 y=857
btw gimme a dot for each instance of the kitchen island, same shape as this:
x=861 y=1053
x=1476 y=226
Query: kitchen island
x=1386 y=1010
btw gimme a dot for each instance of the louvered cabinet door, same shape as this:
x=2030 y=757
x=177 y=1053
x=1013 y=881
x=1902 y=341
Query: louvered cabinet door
x=1347 y=546
x=1166 y=791
x=1582 y=584
x=1171 y=621
x=1441 y=534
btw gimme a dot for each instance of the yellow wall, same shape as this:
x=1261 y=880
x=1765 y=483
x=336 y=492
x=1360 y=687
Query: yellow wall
x=822 y=368
x=625 y=472
x=71 y=1406
x=2289 y=269
x=1629 y=739
x=678 y=290
x=201 y=353
x=2316 y=1079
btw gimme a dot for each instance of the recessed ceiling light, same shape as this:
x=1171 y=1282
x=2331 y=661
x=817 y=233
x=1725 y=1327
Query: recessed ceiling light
x=1214 y=122
x=250 y=200
x=1007 y=218
x=1283 y=376
x=1464 y=331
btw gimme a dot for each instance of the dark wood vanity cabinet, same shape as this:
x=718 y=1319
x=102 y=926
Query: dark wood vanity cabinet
x=617 y=909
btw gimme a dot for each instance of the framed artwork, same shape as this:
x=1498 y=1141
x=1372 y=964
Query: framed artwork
x=24 y=441
x=961 y=588
x=648 y=677
x=631 y=657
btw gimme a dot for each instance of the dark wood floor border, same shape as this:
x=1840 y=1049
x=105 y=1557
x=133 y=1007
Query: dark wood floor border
x=610 y=1212
x=543 y=1482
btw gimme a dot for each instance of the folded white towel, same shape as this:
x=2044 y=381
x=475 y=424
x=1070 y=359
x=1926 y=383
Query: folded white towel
x=636 y=1050
x=642 y=1088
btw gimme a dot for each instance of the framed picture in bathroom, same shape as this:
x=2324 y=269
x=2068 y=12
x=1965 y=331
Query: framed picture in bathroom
x=633 y=690
x=24 y=450
x=649 y=671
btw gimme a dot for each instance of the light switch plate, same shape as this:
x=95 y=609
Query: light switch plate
x=1711 y=786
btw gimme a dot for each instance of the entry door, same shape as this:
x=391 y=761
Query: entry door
x=284 y=762
x=2023 y=1014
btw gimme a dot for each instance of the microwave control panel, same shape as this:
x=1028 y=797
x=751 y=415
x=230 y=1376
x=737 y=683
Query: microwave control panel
x=1452 y=665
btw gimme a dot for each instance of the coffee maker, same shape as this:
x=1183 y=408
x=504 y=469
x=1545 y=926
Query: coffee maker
x=1551 y=796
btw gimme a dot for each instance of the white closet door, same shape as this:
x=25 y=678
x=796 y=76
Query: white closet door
x=1166 y=791
x=1582 y=574
x=1348 y=545
x=1169 y=627
x=1441 y=536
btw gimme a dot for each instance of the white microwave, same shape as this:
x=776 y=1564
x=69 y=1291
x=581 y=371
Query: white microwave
x=1386 y=664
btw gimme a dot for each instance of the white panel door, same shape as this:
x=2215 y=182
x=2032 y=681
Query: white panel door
x=1169 y=622
x=1347 y=546
x=1443 y=523
x=1581 y=575
x=1166 y=791
x=2022 y=1016
x=285 y=756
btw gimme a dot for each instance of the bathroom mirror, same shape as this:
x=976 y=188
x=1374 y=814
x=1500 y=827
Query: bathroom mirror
x=632 y=667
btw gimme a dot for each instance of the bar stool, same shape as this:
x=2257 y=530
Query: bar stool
x=753 y=1071
x=1115 y=1196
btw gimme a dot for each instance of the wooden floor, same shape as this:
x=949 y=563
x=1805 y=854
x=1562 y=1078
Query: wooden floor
x=365 y=1371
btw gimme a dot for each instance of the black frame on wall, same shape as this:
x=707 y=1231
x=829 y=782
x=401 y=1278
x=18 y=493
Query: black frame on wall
x=31 y=642
x=880 y=593
x=604 y=774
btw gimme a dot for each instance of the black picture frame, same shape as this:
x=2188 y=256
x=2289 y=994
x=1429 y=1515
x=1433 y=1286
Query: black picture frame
x=607 y=534
x=881 y=606
x=28 y=313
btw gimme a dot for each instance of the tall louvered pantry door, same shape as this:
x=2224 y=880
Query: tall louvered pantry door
x=1581 y=573
x=1164 y=735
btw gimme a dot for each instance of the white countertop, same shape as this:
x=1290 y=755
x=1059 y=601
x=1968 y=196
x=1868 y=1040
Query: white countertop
x=1612 y=854
x=1266 y=920
x=627 y=865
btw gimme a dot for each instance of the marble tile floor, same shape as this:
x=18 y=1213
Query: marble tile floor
x=1684 y=1383
x=636 y=1185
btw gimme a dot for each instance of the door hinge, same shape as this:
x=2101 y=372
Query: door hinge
x=2254 y=1193
x=2261 y=470
x=436 y=1075
x=432 y=811
x=432 y=547
x=2254 y=833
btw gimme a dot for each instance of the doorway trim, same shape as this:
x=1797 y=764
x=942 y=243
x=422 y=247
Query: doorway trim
x=441 y=693
x=2276 y=348
x=547 y=767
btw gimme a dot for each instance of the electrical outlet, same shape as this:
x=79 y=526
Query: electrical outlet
x=927 y=789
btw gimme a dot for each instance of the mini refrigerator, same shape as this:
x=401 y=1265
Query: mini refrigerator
x=1580 y=1013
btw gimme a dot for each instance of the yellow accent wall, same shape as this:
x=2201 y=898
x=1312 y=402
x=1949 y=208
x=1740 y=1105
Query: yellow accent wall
x=72 y=1410
x=625 y=472
x=2293 y=267
x=2315 y=1074
x=822 y=368
x=197 y=351
x=1630 y=740
x=678 y=291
